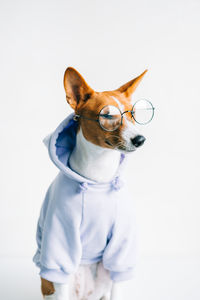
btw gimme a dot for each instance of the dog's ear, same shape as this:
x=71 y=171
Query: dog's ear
x=76 y=88
x=128 y=88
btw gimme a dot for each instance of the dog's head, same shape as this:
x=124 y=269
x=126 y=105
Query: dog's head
x=105 y=117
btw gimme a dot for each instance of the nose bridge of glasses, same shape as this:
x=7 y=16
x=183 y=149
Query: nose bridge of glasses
x=127 y=111
x=126 y=115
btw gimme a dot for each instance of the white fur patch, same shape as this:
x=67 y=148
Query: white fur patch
x=87 y=157
x=90 y=282
x=61 y=291
x=121 y=106
x=128 y=133
x=50 y=297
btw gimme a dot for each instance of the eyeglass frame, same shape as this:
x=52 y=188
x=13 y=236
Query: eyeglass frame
x=76 y=116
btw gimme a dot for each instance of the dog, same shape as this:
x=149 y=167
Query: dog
x=86 y=230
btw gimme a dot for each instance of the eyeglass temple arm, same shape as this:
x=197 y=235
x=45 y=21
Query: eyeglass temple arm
x=76 y=117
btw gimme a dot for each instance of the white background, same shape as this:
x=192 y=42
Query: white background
x=109 y=42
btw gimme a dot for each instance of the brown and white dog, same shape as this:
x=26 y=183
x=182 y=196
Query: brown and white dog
x=95 y=149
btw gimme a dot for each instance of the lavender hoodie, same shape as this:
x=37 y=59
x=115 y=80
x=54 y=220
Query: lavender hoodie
x=82 y=221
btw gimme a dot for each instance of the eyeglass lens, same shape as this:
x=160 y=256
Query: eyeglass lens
x=143 y=111
x=110 y=116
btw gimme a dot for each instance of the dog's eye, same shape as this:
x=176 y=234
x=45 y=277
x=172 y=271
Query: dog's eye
x=110 y=117
x=107 y=116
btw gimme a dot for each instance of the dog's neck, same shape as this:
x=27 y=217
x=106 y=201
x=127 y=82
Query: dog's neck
x=92 y=161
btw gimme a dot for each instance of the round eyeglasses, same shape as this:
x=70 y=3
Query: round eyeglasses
x=110 y=117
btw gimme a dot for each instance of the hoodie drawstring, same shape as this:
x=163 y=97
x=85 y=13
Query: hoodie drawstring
x=83 y=186
x=116 y=184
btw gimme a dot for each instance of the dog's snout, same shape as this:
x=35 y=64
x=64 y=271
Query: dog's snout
x=138 y=141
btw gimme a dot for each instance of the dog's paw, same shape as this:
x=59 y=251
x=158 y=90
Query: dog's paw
x=107 y=296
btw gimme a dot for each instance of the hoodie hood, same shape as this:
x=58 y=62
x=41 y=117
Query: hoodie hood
x=61 y=143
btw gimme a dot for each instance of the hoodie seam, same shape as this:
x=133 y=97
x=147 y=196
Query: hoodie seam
x=83 y=206
x=109 y=266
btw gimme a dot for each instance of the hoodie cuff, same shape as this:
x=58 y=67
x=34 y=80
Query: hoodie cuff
x=122 y=276
x=53 y=275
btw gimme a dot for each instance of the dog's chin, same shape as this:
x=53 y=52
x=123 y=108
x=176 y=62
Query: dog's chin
x=125 y=150
x=122 y=149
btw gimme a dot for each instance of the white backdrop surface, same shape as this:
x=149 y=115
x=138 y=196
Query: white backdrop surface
x=109 y=43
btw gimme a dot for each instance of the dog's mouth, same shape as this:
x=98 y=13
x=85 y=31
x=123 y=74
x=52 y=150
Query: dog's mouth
x=108 y=143
x=126 y=150
x=120 y=147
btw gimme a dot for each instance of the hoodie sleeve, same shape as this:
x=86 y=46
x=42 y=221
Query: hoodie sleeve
x=40 y=225
x=120 y=253
x=58 y=236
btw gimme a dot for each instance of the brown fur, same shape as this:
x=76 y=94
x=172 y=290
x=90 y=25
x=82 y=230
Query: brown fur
x=91 y=130
x=85 y=101
x=47 y=287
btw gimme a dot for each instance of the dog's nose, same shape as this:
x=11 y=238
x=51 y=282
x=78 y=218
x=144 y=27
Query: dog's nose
x=138 y=141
